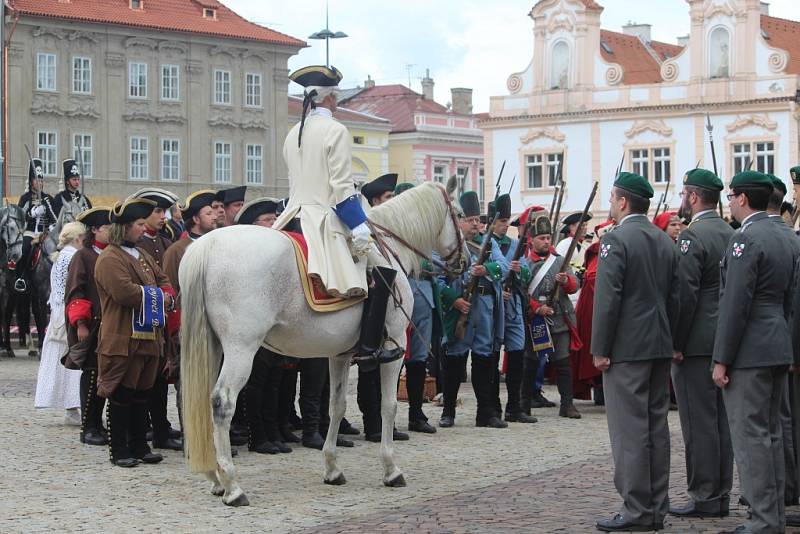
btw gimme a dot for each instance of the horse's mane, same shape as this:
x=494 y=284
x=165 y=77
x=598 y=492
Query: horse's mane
x=417 y=216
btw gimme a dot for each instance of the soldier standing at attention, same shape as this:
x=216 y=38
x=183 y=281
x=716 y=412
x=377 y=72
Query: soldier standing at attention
x=753 y=346
x=707 y=438
x=635 y=311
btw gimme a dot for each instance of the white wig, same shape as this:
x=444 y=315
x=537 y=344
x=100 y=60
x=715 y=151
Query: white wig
x=322 y=92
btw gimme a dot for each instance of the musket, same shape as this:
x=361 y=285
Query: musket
x=80 y=163
x=499 y=177
x=557 y=212
x=35 y=195
x=522 y=244
x=572 y=246
x=710 y=129
x=663 y=199
x=621 y=162
x=749 y=163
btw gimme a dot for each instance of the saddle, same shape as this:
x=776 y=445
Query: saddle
x=316 y=296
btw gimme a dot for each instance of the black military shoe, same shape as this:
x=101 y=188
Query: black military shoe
x=287 y=434
x=540 y=401
x=151 y=457
x=420 y=425
x=265 y=447
x=93 y=437
x=347 y=429
x=313 y=441
x=237 y=439
x=446 y=421
x=282 y=447
x=520 y=417
x=342 y=442
x=619 y=524
x=399 y=436
x=175 y=434
x=492 y=422
x=169 y=443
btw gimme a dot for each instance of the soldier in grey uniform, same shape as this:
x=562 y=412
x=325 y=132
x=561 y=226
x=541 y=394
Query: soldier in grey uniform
x=635 y=312
x=753 y=347
x=706 y=436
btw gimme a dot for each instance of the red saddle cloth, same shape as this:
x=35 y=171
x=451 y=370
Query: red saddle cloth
x=317 y=297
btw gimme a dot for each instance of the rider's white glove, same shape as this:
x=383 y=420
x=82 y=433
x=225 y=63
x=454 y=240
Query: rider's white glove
x=38 y=211
x=361 y=238
x=52 y=228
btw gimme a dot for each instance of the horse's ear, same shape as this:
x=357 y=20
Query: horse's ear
x=452 y=185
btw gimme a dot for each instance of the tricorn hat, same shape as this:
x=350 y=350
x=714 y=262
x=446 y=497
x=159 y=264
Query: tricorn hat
x=231 y=195
x=163 y=198
x=95 y=217
x=317 y=75
x=197 y=201
x=379 y=186
x=131 y=210
x=256 y=208
x=70 y=170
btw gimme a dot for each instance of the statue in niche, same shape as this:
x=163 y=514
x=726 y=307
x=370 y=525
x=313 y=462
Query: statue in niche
x=559 y=66
x=719 y=44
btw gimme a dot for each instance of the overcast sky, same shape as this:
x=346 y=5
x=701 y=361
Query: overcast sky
x=464 y=43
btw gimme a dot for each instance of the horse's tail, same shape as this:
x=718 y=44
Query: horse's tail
x=198 y=357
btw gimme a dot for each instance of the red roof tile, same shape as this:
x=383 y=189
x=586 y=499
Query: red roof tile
x=637 y=63
x=169 y=15
x=591 y=5
x=665 y=51
x=784 y=34
x=343 y=114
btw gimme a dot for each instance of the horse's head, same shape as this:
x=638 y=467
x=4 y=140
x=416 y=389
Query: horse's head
x=12 y=227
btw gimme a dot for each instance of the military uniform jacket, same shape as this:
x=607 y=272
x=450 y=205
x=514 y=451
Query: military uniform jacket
x=156 y=246
x=37 y=225
x=120 y=278
x=636 y=293
x=701 y=248
x=64 y=197
x=563 y=309
x=759 y=272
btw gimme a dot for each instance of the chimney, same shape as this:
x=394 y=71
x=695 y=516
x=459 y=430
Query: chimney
x=427 y=85
x=683 y=41
x=462 y=100
x=639 y=30
x=369 y=82
x=764 y=8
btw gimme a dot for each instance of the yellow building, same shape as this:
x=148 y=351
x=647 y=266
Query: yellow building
x=370 y=139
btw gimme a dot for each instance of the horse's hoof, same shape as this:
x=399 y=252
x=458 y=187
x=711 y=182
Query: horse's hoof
x=219 y=491
x=397 y=482
x=241 y=500
x=338 y=481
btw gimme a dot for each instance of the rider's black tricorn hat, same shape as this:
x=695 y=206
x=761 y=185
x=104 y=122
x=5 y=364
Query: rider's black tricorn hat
x=95 y=217
x=379 y=186
x=317 y=75
x=163 y=198
x=234 y=194
x=255 y=209
x=132 y=210
x=197 y=201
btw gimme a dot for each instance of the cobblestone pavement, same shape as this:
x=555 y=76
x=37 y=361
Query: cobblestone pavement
x=553 y=476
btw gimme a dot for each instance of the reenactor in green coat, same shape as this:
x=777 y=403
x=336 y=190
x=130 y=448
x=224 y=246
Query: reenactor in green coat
x=704 y=424
x=753 y=346
x=635 y=313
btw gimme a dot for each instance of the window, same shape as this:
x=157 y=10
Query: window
x=137 y=80
x=358 y=139
x=640 y=162
x=210 y=13
x=170 y=82
x=82 y=152
x=252 y=90
x=137 y=4
x=47 y=148
x=438 y=174
x=139 y=158
x=170 y=160
x=719 y=53
x=254 y=164
x=554 y=162
x=533 y=163
x=764 y=152
x=461 y=173
x=481 y=185
x=82 y=75
x=45 y=72
x=222 y=162
x=661 y=165
x=559 y=66
x=222 y=87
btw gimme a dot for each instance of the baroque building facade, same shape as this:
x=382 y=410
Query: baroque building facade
x=590 y=95
x=182 y=95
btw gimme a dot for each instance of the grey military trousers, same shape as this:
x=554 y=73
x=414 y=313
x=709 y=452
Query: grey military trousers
x=706 y=436
x=753 y=402
x=637 y=404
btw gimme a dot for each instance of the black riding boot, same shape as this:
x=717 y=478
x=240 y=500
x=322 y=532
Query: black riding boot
x=454 y=368
x=137 y=431
x=286 y=400
x=20 y=270
x=564 y=383
x=119 y=421
x=416 y=373
x=373 y=321
x=257 y=440
x=369 y=400
x=514 y=369
x=482 y=376
x=157 y=410
x=313 y=372
x=90 y=425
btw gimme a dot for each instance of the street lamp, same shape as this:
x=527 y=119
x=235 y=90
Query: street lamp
x=327 y=35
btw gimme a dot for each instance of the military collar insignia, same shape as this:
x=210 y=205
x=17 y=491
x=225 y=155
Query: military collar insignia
x=738 y=250
x=685 y=244
x=604 y=249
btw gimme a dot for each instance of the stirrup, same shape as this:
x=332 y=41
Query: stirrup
x=379 y=356
x=20 y=285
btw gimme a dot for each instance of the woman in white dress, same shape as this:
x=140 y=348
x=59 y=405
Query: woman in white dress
x=56 y=386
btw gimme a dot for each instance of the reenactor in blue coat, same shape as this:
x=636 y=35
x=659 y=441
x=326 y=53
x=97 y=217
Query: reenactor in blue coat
x=753 y=346
x=706 y=436
x=484 y=326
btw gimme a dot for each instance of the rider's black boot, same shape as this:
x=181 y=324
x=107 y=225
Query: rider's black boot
x=373 y=320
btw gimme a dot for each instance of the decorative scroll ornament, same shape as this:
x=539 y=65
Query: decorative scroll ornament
x=669 y=71
x=514 y=83
x=535 y=133
x=777 y=61
x=757 y=120
x=658 y=127
x=614 y=74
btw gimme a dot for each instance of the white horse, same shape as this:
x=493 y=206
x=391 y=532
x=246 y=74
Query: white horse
x=240 y=287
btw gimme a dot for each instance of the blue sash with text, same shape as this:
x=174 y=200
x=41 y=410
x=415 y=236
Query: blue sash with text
x=152 y=315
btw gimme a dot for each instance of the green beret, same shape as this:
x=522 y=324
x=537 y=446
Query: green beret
x=703 y=178
x=794 y=172
x=405 y=186
x=778 y=184
x=751 y=179
x=633 y=183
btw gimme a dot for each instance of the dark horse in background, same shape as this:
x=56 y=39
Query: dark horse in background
x=34 y=298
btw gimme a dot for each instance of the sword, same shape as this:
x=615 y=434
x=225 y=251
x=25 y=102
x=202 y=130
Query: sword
x=37 y=195
x=80 y=163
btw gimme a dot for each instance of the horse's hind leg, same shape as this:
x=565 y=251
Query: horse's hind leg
x=339 y=370
x=232 y=378
x=392 y=476
x=216 y=487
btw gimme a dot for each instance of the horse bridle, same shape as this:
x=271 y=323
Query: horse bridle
x=446 y=258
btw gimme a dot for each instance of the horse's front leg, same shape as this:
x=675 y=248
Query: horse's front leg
x=339 y=372
x=392 y=476
x=231 y=380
